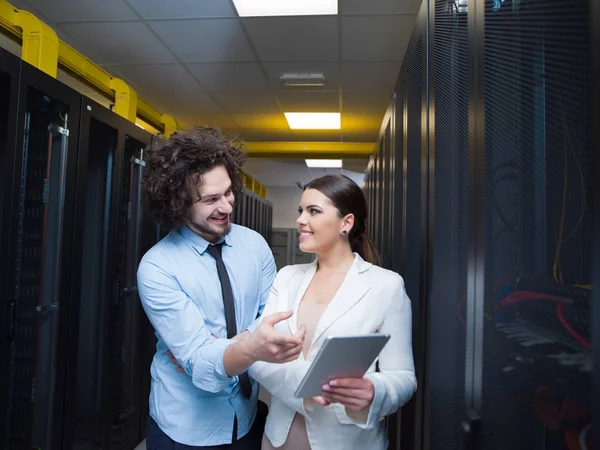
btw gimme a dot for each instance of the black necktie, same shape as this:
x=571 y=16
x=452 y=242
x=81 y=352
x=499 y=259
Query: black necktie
x=215 y=251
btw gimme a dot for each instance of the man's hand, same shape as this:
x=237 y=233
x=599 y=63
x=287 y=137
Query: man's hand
x=266 y=344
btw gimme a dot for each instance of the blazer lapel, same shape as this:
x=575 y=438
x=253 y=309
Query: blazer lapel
x=353 y=289
x=294 y=300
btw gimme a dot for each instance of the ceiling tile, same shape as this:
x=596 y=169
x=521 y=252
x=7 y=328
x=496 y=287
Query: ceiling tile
x=185 y=104
x=247 y=102
x=118 y=42
x=230 y=76
x=376 y=38
x=214 y=40
x=57 y=11
x=370 y=76
x=329 y=69
x=379 y=6
x=261 y=122
x=366 y=102
x=221 y=121
x=159 y=77
x=266 y=135
x=302 y=38
x=325 y=101
x=182 y=9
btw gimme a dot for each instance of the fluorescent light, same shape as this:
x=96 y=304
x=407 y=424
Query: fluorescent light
x=324 y=163
x=313 y=121
x=260 y=8
x=303 y=79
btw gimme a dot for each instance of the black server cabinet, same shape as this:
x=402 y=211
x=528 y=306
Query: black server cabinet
x=133 y=231
x=10 y=71
x=533 y=379
x=111 y=335
x=447 y=299
x=493 y=124
x=40 y=256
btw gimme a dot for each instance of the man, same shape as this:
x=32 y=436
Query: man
x=203 y=287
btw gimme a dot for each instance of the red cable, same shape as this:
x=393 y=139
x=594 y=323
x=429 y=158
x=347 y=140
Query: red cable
x=525 y=296
x=572 y=332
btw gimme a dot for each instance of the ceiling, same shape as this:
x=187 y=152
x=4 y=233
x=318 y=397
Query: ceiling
x=290 y=172
x=201 y=63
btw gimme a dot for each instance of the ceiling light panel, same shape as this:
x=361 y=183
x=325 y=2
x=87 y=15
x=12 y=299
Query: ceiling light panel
x=313 y=121
x=324 y=163
x=264 y=8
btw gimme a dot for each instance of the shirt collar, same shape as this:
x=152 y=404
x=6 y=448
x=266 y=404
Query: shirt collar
x=198 y=242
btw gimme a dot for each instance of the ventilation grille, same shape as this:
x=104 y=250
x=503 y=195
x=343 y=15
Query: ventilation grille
x=538 y=228
x=447 y=295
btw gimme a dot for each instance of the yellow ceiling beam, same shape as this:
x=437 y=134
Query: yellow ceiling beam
x=40 y=43
x=42 y=49
x=310 y=149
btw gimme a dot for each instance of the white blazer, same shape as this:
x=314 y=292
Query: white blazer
x=370 y=300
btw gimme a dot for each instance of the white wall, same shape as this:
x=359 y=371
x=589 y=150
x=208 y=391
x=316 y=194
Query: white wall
x=285 y=205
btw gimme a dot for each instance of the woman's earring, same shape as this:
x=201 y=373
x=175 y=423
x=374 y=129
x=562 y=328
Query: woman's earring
x=344 y=232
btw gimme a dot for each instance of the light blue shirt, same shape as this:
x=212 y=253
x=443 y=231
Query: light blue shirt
x=180 y=291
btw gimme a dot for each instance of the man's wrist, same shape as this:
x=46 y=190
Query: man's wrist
x=246 y=351
x=238 y=357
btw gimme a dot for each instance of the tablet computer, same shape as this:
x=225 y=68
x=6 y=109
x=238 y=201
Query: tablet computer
x=341 y=357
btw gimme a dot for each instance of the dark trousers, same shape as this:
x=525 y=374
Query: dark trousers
x=156 y=439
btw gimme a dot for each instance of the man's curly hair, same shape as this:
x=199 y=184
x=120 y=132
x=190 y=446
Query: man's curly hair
x=174 y=169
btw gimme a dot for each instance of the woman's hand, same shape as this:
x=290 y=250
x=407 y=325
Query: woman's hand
x=356 y=394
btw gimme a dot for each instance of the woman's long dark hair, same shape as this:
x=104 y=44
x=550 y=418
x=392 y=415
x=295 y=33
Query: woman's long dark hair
x=348 y=198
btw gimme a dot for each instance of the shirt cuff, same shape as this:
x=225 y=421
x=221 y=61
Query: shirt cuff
x=208 y=372
x=252 y=327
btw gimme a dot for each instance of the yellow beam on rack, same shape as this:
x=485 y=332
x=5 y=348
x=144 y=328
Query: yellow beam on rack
x=125 y=99
x=40 y=43
x=37 y=46
x=170 y=124
x=310 y=149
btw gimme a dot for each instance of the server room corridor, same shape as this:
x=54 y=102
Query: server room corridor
x=471 y=127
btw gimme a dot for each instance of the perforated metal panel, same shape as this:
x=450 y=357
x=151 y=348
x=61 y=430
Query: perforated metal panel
x=39 y=236
x=538 y=224
x=448 y=283
x=413 y=98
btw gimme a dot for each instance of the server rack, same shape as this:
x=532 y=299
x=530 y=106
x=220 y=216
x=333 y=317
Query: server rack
x=254 y=212
x=111 y=335
x=40 y=253
x=495 y=222
x=10 y=74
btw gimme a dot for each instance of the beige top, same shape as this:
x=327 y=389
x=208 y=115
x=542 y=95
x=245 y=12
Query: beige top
x=309 y=315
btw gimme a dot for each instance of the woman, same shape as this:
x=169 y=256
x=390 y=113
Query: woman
x=341 y=293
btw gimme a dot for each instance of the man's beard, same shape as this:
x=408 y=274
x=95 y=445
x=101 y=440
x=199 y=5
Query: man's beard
x=206 y=229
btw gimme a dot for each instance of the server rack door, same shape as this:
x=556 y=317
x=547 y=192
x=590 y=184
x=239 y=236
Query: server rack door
x=447 y=287
x=381 y=228
x=536 y=366
x=412 y=227
x=10 y=68
x=398 y=181
x=377 y=200
x=98 y=149
x=40 y=250
x=389 y=194
x=129 y=320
